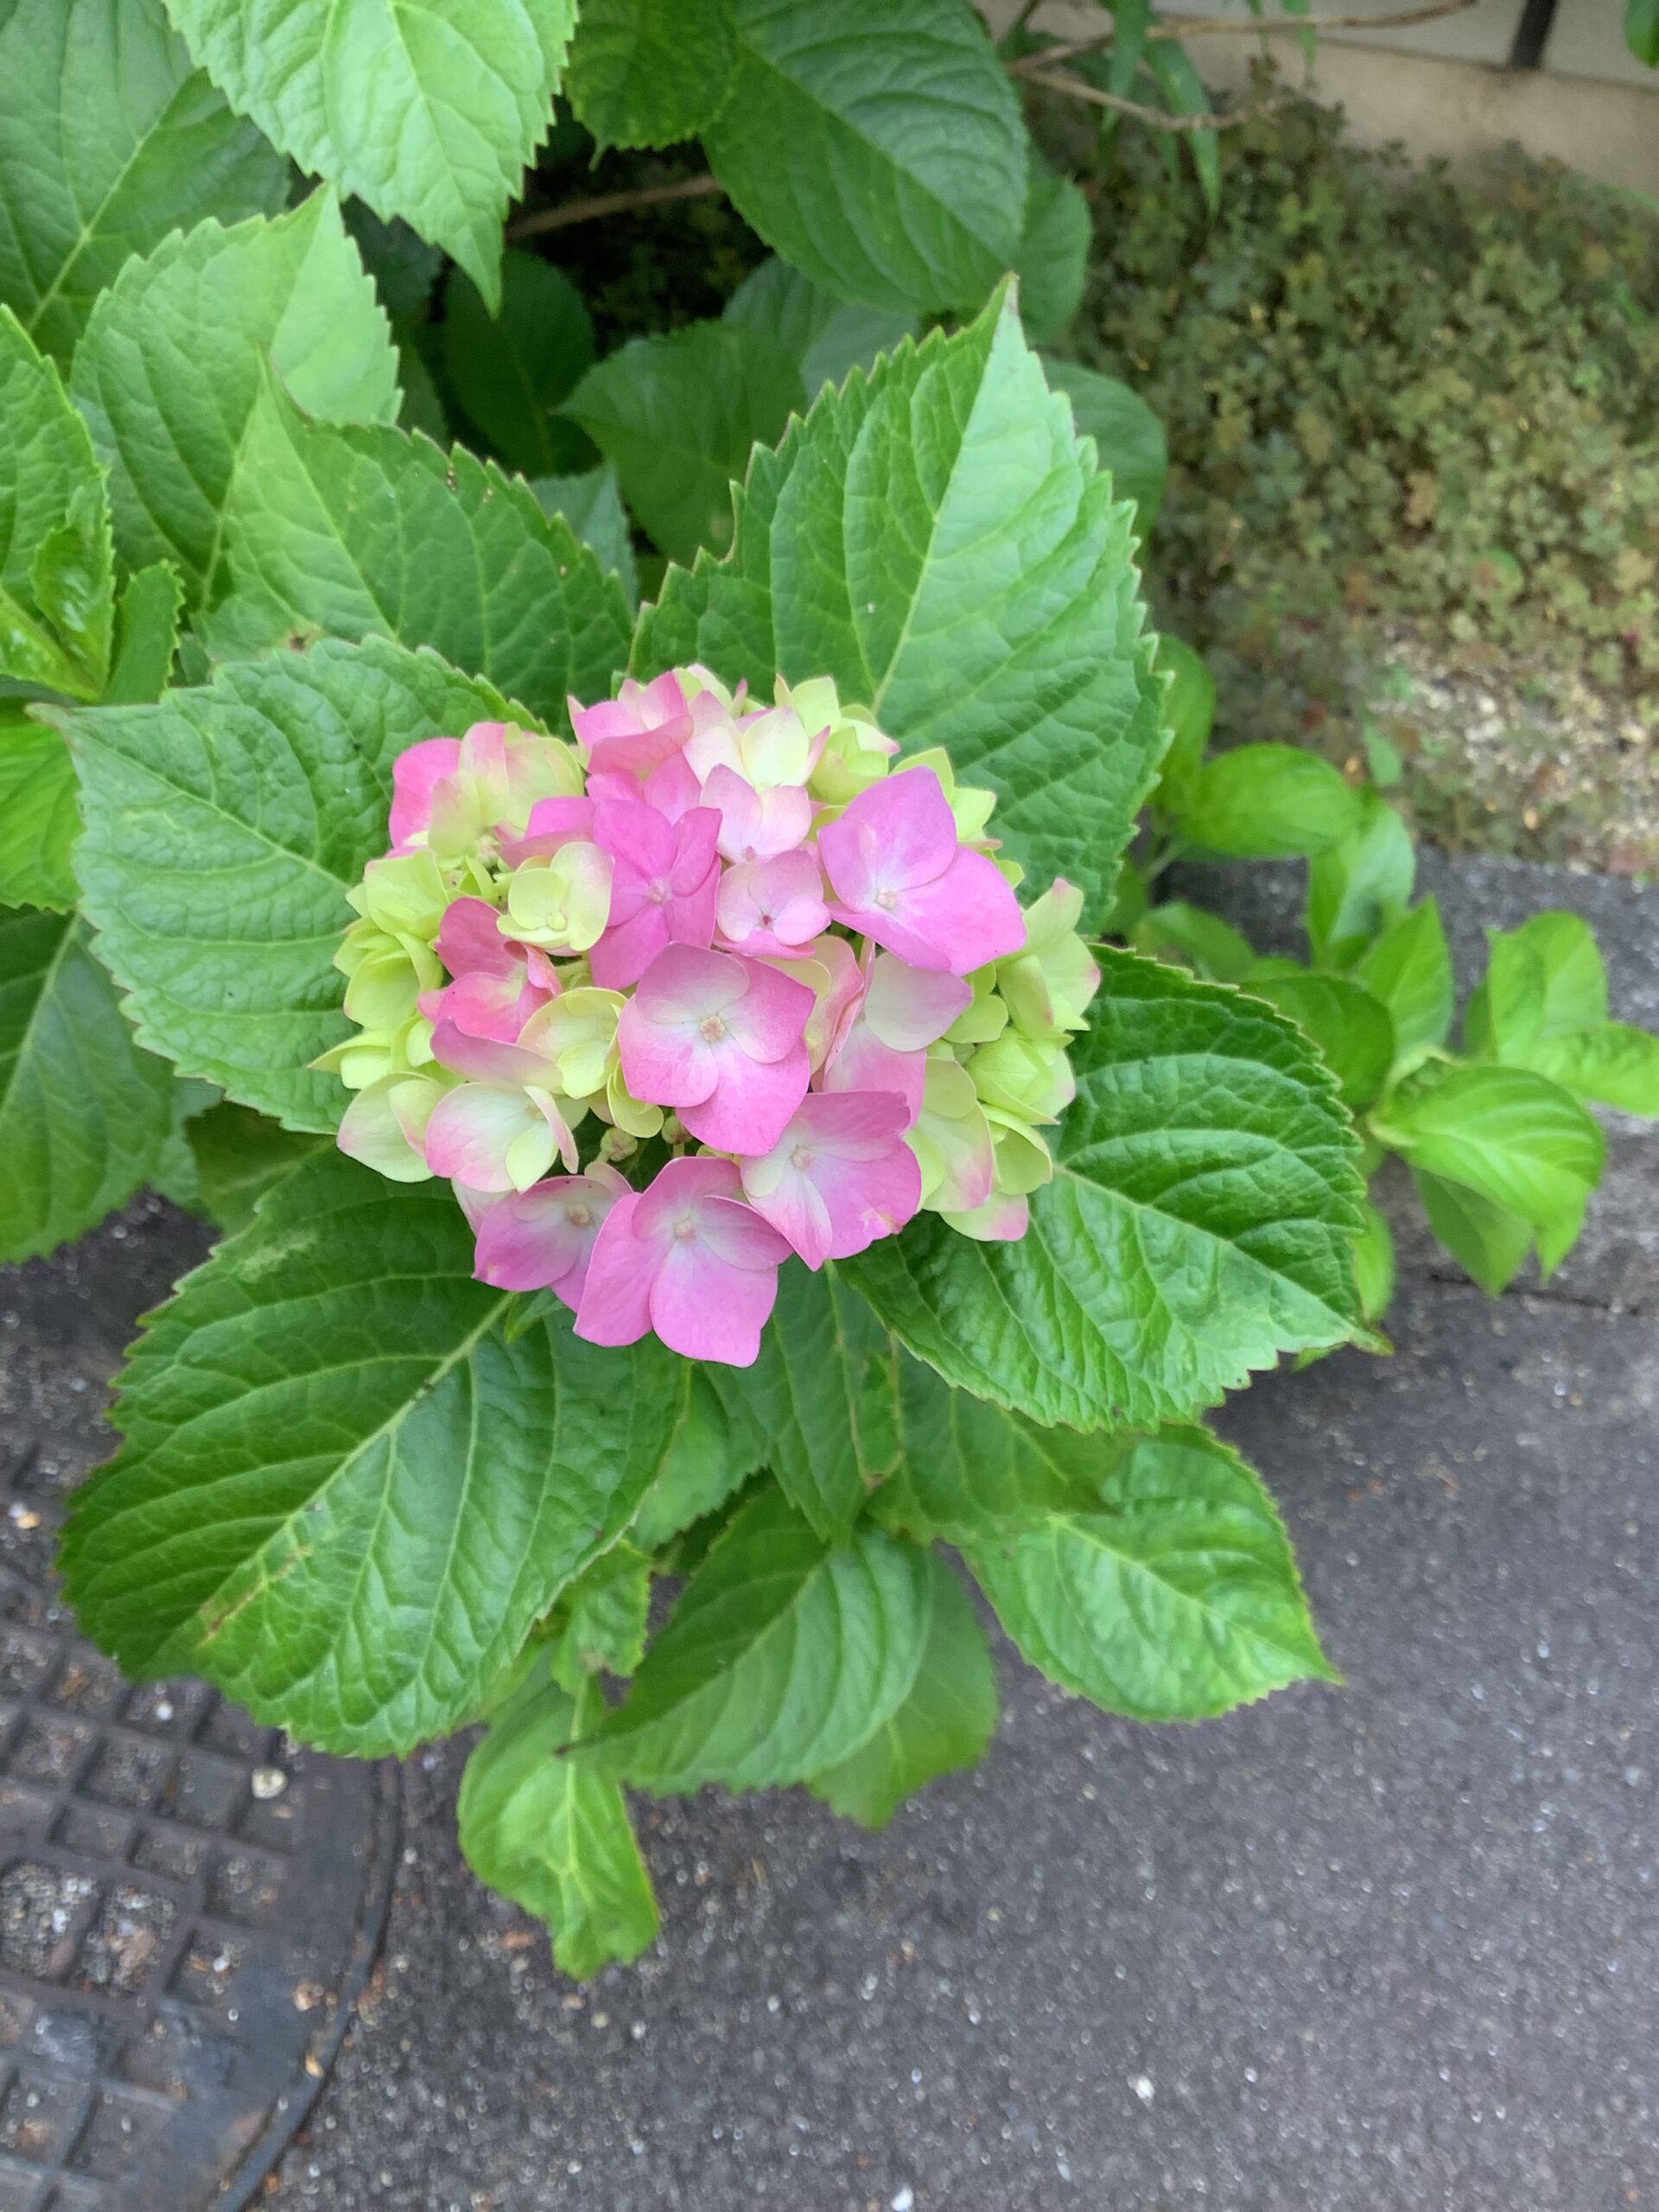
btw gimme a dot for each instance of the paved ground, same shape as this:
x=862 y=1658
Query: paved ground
x=1394 y=1946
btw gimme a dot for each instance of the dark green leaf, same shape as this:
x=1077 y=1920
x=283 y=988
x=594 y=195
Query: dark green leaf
x=1268 y=802
x=1189 y=715
x=708 y=1459
x=1487 y=1243
x=945 y=1722
x=342 y=1495
x=651 y=73
x=1195 y=938
x=591 y=505
x=1200 y=1220
x=1129 y=443
x=1185 y=92
x=602 y=1617
x=1642 y=30
x=969 y=1470
x=56 y=581
x=239 y=1155
x=38 y=819
x=1352 y=1029
x=146 y=637
x=510 y=371
x=1053 y=252
x=824 y=337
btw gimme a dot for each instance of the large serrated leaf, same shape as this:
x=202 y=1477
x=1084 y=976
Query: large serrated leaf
x=177 y=353
x=651 y=73
x=353 y=532
x=1176 y=1599
x=968 y=1469
x=821 y=1397
x=881 y=150
x=549 y=1833
x=223 y=828
x=429 y=113
x=936 y=538
x=344 y=1496
x=945 y=1722
x=1200 y=1220
x=57 y=593
x=783 y=1655
x=110 y=139
x=38 y=820
x=83 y=1113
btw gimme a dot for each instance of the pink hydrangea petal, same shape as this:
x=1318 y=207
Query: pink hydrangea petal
x=476 y=1204
x=908 y=1007
x=840 y=1177
x=897 y=833
x=626 y=949
x=553 y=823
x=970 y=913
x=482 y=1006
x=415 y=774
x=615 y=1304
x=472 y=1128
x=769 y=1019
x=860 y=1061
x=757 y=825
x=703 y=1308
x=680 y=1187
x=470 y=943
x=636 y=836
x=542 y=1238
x=751 y=1101
x=685 y=984
x=738 y=1235
x=486 y=1059
x=672 y=787
x=697 y=839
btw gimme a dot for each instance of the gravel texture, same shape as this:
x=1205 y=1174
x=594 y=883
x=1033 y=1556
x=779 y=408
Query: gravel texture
x=1389 y=1946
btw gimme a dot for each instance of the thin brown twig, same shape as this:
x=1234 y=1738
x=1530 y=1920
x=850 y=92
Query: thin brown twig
x=612 y=203
x=1229 y=120
x=1208 y=26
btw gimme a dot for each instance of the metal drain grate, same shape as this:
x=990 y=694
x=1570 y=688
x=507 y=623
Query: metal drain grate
x=187 y=1908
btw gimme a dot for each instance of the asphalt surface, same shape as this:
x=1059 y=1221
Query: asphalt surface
x=1387 y=1946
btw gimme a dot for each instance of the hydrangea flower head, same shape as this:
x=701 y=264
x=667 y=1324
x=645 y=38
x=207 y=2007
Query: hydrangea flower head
x=725 y=984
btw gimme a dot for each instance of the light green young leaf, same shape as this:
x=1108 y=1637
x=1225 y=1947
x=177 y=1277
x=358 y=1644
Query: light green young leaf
x=1374 y=1265
x=1194 y=937
x=968 y=1470
x=883 y=152
x=1268 y=802
x=178 y=350
x=591 y=505
x=651 y=73
x=110 y=139
x=1543 y=1005
x=1360 y=885
x=821 y=1397
x=1352 y=1029
x=1130 y=443
x=510 y=371
x=602 y=1617
x=1053 y=252
x=1189 y=715
x=1488 y=1243
x=38 y=819
x=239 y=1155
x=935 y=538
x=677 y=415
x=1515 y=1138
x=429 y=113
x=783 y=1655
x=1409 y=970
x=826 y=338
x=355 y=532
x=549 y=1833
x=57 y=590
x=146 y=637
x=83 y=1113
x=1614 y=1064
x=946 y=1723
x=710 y=1457
x=1200 y=1220
x=1177 y=1599
x=224 y=828
x=343 y=1497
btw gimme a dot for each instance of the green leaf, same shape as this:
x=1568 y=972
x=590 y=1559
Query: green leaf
x=239 y=1156
x=1200 y=1220
x=1642 y=30
x=551 y=1835
x=1518 y=1139
x=1543 y=1005
x=591 y=505
x=1614 y=1064
x=826 y=338
x=709 y=1458
x=83 y=1113
x=343 y=1497
x=224 y=828
x=146 y=637
x=603 y=1614
x=1409 y=970
x=1129 y=438
x=403 y=266
x=428 y=113
x=1488 y=1243
x=56 y=581
x=946 y=1723
x=352 y=532
x=677 y=416
x=882 y=152
x=1185 y=92
x=1268 y=802
x=110 y=139
x=651 y=73
x=1177 y=1600
x=511 y=370
x=1195 y=938
x=968 y=1470
x=38 y=820
x=1374 y=1265
x=1360 y=885
x=175 y=359
x=821 y=1396
x=1352 y=1029
x=1189 y=715
x=1053 y=252
x=783 y=1655
x=935 y=539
